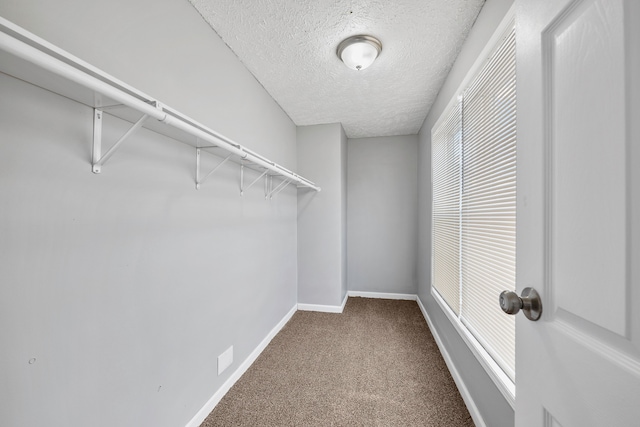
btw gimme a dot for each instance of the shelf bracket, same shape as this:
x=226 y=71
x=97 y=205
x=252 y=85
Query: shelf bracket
x=279 y=188
x=97 y=158
x=242 y=187
x=201 y=180
x=268 y=184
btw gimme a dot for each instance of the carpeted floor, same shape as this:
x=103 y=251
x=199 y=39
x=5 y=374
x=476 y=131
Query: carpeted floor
x=376 y=364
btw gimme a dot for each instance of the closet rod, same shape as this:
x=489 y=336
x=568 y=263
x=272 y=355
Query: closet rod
x=149 y=107
x=31 y=54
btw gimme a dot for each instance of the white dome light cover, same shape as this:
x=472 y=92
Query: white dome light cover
x=358 y=52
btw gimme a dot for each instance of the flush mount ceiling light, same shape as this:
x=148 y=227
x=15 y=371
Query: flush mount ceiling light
x=358 y=52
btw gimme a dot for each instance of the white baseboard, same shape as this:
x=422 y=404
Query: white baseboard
x=340 y=308
x=462 y=388
x=383 y=295
x=324 y=308
x=219 y=394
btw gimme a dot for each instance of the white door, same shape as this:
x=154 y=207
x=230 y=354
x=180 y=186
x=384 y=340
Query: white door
x=578 y=217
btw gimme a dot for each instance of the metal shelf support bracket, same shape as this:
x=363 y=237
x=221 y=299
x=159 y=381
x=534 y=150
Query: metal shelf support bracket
x=279 y=188
x=97 y=158
x=242 y=187
x=199 y=180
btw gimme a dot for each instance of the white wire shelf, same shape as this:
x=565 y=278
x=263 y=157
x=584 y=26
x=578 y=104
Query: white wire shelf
x=27 y=57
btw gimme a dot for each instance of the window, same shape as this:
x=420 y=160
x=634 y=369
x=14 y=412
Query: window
x=474 y=205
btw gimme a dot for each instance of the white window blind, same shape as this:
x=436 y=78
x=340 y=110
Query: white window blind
x=446 y=168
x=486 y=178
x=488 y=214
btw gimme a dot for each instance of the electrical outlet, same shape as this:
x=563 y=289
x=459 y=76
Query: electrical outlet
x=225 y=360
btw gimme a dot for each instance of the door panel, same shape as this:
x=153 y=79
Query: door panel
x=585 y=104
x=578 y=200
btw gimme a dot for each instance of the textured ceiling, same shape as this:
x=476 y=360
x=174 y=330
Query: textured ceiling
x=290 y=47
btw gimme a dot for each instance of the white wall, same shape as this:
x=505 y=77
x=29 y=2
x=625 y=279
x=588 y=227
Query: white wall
x=383 y=214
x=321 y=216
x=124 y=287
x=490 y=403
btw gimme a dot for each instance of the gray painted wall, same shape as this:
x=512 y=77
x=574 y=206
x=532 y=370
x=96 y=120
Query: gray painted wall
x=125 y=286
x=491 y=404
x=383 y=214
x=344 y=158
x=321 y=216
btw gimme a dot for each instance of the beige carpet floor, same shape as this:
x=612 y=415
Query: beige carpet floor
x=376 y=364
